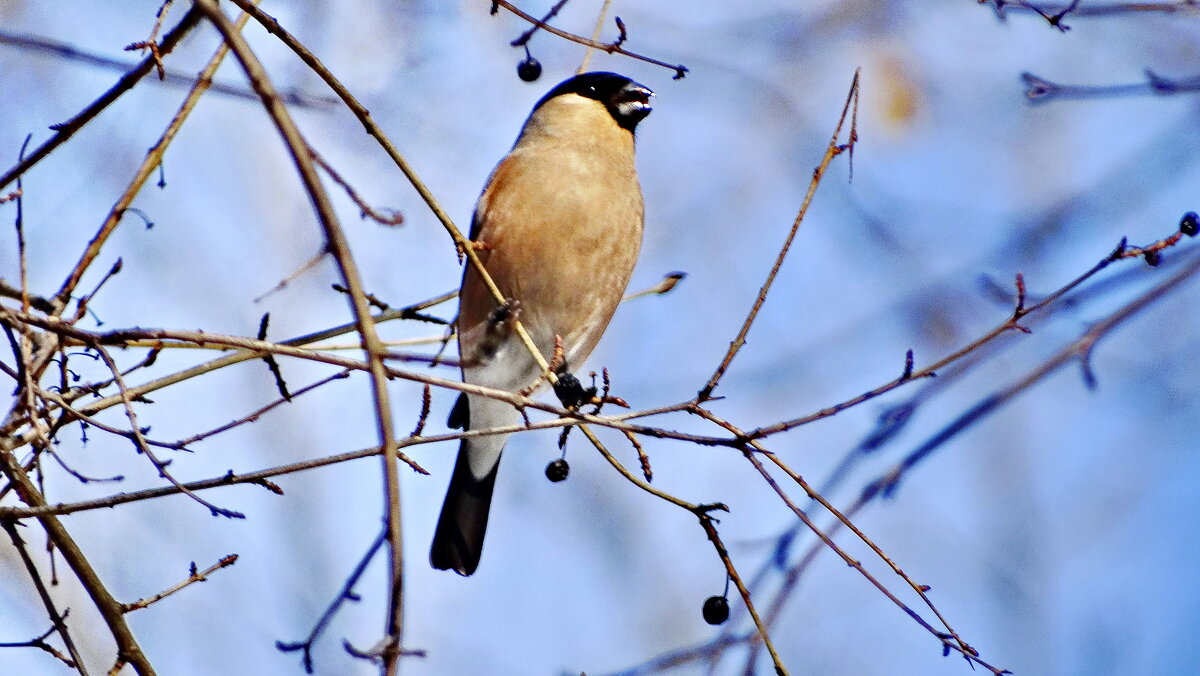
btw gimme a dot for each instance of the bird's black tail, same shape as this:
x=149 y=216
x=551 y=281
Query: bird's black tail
x=458 y=540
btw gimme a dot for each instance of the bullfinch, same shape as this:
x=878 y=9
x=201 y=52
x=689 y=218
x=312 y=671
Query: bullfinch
x=558 y=228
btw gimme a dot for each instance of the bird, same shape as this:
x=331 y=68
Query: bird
x=558 y=228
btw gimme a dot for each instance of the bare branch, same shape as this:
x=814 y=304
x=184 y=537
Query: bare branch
x=193 y=577
x=340 y=250
x=831 y=151
x=609 y=48
x=67 y=129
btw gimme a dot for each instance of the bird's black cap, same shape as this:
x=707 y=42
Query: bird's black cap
x=627 y=101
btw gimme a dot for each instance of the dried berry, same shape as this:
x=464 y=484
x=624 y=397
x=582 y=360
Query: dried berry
x=571 y=392
x=558 y=470
x=716 y=609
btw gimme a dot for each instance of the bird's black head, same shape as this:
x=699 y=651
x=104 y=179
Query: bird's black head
x=627 y=101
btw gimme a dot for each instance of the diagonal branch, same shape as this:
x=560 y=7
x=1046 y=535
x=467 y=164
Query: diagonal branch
x=153 y=159
x=831 y=151
x=67 y=129
x=58 y=619
x=889 y=482
x=339 y=248
x=128 y=650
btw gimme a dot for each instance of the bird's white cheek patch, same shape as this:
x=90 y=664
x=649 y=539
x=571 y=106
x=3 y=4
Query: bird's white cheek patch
x=634 y=108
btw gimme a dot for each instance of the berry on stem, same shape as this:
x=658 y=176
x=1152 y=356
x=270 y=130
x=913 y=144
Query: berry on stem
x=529 y=69
x=1190 y=224
x=558 y=470
x=716 y=610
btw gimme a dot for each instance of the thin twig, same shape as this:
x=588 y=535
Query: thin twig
x=295 y=274
x=1041 y=90
x=540 y=23
x=346 y=594
x=831 y=151
x=258 y=413
x=57 y=619
x=116 y=478
x=825 y=538
x=143 y=447
x=703 y=513
x=1011 y=323
x=587 y=54
x=408 y=312
x=254 y=349
x=67 y=129
x=391 y=217
x=1053 y=14
x=149 y=43
x=889 y=481
x=258 y=477
x=426 y=405
x=609 y=47
x=153 y=159
x=128 y=650
x=174 y=78
x=272 y=365
x=192 y=578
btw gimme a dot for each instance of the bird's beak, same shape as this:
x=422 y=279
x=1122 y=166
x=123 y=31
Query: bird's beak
x=633 y=101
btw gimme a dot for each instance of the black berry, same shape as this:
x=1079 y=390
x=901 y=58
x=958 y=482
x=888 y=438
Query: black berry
x=558 y=470
x=1190 y=224
x=529 y=69
x=1152 y=258
x=716 y=610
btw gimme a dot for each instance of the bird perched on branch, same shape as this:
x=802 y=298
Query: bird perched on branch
x=558 y=229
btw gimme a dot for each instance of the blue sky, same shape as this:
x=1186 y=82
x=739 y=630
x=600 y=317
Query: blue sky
x=1057 y=534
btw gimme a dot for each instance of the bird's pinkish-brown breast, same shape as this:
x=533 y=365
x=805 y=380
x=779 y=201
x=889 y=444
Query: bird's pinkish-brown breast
x=561 y=223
